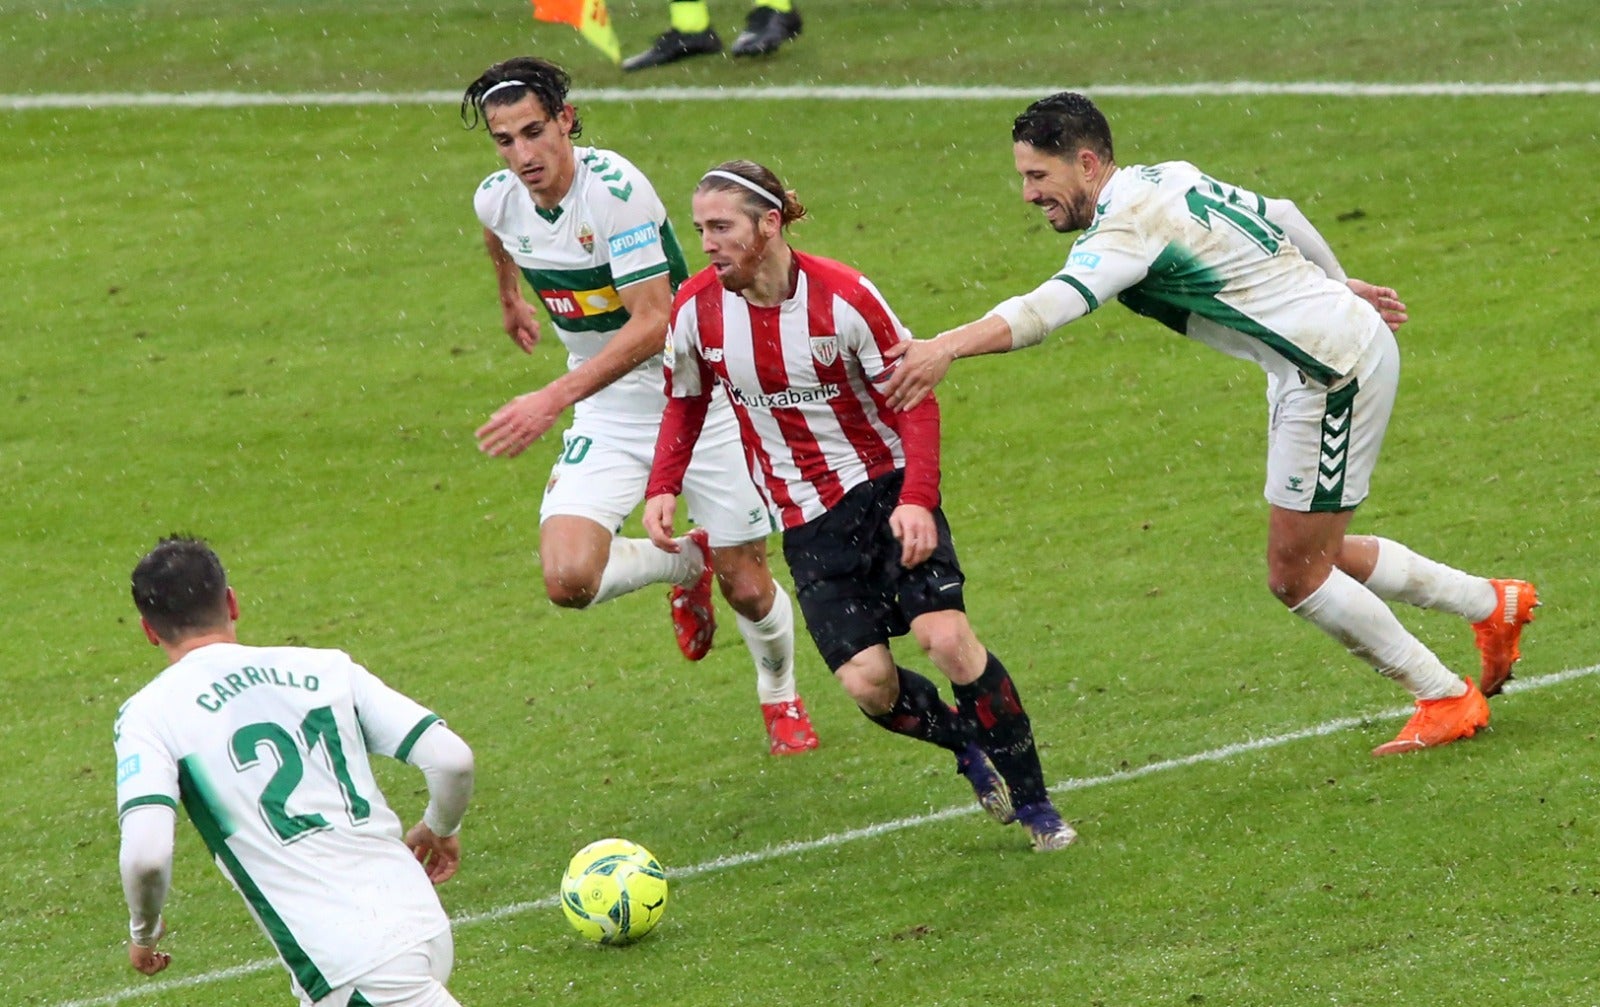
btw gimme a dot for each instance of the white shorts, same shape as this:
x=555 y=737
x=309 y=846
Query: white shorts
x=414 y=978
x=1322 y=441
x=603 y=471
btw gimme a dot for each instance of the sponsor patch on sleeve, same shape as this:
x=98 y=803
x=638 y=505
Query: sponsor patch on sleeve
x=1088 y=260
x=640 y=237
x=127 y=769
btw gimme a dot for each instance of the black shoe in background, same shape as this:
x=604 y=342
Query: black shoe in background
x=765 y=30
x=671 y=46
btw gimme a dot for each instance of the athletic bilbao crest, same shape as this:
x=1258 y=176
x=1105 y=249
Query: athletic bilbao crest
x=825 y=349
x=586 y=238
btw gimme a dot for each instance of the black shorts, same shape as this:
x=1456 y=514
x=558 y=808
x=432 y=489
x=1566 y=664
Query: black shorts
x=852 y=590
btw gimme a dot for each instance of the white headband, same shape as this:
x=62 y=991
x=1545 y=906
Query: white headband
x=753 y=187
x=505 y=83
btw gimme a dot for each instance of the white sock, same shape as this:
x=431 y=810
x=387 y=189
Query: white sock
x=636 y=563
x=1357 y=618
x=1402 y=575
x=771 y=643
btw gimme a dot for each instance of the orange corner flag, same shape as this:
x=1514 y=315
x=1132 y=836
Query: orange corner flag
x=588 y=16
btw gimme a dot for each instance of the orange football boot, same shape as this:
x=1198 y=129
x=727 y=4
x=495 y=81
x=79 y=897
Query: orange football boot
x=1498 y=636
x=1439 y=722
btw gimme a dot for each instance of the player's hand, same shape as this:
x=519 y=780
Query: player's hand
x=1388 y=303
x=147 y=959
x=519 y=423
x=915 y=365
x=660 y=511
x=439 y=856
x=521 y=324
x=916 y=531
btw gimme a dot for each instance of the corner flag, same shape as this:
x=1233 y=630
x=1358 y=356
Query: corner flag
x=588 y=16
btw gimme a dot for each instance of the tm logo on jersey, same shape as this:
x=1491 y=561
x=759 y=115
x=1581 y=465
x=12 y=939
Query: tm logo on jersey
x=785 y=398
x=640 y=237
x=581 y=303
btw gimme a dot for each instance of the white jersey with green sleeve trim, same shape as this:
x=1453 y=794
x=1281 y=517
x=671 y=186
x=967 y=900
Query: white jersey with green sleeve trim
x=610 y=231
x=1176 y=245
x=266 y=748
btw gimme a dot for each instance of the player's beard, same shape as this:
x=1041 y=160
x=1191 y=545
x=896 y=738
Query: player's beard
x=1076 y=214
x=1083 y=211
x=743 y=269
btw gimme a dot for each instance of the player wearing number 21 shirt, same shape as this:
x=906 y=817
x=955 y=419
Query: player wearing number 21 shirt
x=266 y=748
x=796 y=342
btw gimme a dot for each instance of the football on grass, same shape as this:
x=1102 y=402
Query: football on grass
x=614 y=891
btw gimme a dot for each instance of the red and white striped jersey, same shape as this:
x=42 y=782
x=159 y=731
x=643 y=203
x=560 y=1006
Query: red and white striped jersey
x=803 y=378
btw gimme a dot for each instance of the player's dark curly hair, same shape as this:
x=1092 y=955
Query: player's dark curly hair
x=180 y=588
x=538 y=77
x=1062 y=125
x=754 y=206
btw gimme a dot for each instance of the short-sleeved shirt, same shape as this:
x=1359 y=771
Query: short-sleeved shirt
x=609 y=232
x=803 y=378
x=266 y=748
x=1174 y=244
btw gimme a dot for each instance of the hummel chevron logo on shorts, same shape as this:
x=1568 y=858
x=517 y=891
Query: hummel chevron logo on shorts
x=1337 y=423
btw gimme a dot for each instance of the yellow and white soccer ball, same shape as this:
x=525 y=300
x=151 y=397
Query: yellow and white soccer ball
x=614 y=891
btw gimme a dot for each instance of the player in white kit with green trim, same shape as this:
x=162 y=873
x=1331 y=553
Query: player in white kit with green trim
x=266 y=748
x=1252 y=278
x=588 y=233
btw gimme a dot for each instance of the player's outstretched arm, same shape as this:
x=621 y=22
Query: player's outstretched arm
x=526 y=418
x=1388 y=303
x=520 y=422
x=920 y=364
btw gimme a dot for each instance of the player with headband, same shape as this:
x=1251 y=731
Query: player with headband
x=585 y=229
x=797 y=343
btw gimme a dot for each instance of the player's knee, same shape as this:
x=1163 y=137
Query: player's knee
x=1292 y=583
x=570 y=590
x=946 y=641
x=873 y=692
x=750 y=597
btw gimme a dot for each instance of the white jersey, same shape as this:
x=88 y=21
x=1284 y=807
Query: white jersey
x=608 y=232
x=267 y=749
x=1201 y=257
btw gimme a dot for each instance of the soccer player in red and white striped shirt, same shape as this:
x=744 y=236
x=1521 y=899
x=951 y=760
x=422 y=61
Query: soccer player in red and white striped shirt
x=796 y=342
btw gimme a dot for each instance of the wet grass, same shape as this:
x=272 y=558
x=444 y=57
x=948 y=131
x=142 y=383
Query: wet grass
x=275 y=327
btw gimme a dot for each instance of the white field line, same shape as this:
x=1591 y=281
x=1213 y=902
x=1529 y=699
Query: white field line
x=836 y=839
x=932 y=92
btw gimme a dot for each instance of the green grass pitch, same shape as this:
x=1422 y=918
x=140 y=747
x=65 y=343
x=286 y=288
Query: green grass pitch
x=276 y=327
